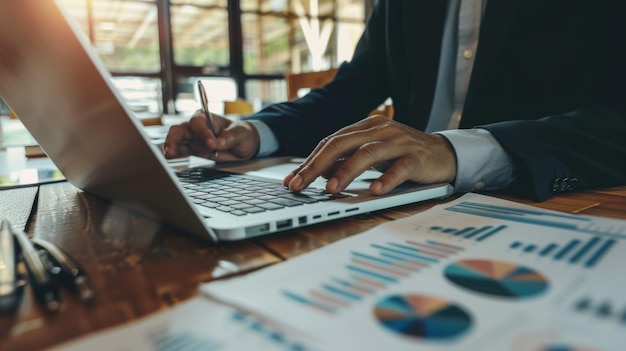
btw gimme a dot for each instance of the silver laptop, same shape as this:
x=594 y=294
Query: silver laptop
x=55 y=82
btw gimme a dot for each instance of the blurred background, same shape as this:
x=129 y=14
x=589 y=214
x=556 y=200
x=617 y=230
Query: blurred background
x=241 y=49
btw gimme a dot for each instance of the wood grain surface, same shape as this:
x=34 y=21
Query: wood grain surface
x=138 y=266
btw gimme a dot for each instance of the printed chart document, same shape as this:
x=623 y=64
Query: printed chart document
x=478 y=273
x=196 y=325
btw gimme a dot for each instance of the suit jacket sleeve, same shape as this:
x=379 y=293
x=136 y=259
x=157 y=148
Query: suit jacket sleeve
x=577 y=150
x=584 y=147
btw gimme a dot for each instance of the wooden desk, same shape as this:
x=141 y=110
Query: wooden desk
x=138 y=267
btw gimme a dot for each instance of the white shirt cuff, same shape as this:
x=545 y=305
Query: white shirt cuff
x=482 y=163
x=268 y=143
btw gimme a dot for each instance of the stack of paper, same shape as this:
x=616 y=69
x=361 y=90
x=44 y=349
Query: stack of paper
x=196 y=325
x=477 y=273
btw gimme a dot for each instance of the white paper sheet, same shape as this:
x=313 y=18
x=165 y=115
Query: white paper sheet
x=478 y=273
x=196 y=325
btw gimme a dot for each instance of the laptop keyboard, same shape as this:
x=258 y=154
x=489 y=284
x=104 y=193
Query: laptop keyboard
x=241 y=195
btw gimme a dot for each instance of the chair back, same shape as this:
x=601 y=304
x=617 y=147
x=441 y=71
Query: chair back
x=238 y=107
x=310 y=80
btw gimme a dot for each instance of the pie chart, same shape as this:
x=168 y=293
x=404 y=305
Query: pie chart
x=496 y=278
x=421 y=316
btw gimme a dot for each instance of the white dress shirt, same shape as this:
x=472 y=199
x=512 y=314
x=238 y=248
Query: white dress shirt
x=481 y=162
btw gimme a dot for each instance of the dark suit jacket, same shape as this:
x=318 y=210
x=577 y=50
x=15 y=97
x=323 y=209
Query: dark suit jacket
x=548 y=82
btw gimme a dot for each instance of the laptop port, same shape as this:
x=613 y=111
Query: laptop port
x=302 y=220
x=284 y=224
x=257 y=229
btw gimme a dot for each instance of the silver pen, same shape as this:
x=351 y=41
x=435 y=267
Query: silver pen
x=204 y=101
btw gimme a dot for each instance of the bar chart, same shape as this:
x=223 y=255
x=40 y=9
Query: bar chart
x=587 y=253
x=543 y=218
x=472 y=233
x=365 y=273
x=267 y=333
x=600 y=308
x=177 y=341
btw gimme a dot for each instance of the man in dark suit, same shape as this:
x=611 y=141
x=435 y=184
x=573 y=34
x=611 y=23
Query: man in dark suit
x=543 y=111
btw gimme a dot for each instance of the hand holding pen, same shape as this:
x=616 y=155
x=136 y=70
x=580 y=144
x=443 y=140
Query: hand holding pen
x=212 y=136
x=199 y=136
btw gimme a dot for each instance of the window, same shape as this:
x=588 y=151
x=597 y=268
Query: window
x=266 y=43
x=200 y=33
x=218 y=90
x=157 y=49
x=141 y=93
x=299 y=35
x=263 y=92
x=123 y=32
x=125 y=35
